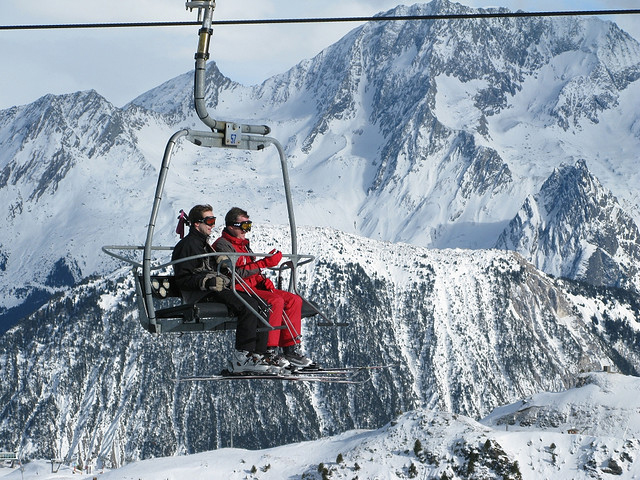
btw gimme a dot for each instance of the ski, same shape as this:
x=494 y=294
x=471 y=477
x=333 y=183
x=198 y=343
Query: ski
x=342 y=370
x=347 y=375
x=289 y=378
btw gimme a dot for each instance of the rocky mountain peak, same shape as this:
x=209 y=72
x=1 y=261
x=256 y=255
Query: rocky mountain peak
x=574 y=227
x=174 y=97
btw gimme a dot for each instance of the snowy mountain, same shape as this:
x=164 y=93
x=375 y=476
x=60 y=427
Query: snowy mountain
x=575 y=228
x=433 y=133
x=512 y=442
x=465 y=331
x=441 y=129
x=414 y=148
x=72 y=167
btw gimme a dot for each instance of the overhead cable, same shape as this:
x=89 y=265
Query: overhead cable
x=377 y=18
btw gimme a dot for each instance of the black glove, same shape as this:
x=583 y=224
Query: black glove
x=216 y=284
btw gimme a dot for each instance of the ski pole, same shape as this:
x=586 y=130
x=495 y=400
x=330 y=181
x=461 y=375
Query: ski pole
x=286 y=320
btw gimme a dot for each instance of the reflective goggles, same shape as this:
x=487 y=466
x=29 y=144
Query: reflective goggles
x=244 y=226
x=211 y=221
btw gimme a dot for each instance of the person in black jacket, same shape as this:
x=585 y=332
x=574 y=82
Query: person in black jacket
x=198 y=280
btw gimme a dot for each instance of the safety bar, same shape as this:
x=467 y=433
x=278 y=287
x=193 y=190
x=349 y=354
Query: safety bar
x=295 y=261
x=300 y=259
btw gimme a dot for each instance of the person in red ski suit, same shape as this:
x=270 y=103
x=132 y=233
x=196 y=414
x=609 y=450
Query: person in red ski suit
x=286 y=307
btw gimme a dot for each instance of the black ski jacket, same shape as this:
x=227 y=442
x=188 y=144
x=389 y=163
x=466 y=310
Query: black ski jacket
x=191 y=276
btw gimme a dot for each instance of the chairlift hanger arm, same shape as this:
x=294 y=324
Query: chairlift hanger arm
x=205 y=13
x=233 y=132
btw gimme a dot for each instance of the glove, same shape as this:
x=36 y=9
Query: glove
x=272 y=260
x=268 y=285
x=216 y=284
x=224 y=262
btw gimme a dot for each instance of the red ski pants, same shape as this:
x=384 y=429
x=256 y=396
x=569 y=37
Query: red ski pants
x=291 y=304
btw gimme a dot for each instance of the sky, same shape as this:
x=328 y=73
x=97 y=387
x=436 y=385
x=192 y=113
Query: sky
x=123 y=63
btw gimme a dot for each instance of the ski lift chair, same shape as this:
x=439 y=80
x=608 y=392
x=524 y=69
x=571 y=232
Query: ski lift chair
x=168 y=312
x=153 y=288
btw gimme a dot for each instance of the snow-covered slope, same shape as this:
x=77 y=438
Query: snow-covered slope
x=601 y=405
x=431 y=133
x=586 y=432
x=466 y=331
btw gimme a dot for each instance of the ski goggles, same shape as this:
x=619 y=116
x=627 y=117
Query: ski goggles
x=211 y=221
x=244 y=226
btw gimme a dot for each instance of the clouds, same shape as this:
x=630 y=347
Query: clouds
x=123 y=63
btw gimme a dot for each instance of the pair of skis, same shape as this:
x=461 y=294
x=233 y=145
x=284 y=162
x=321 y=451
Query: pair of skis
x=347 y=375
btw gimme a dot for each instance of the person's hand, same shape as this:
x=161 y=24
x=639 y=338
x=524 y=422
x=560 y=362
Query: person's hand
x=272 y=259
x=216 y=284
x=224 y=262
x=268 y=285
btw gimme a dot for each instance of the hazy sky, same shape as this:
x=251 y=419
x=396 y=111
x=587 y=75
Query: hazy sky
x=122 y=63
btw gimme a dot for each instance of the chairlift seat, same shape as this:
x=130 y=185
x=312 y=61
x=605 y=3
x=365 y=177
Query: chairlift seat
x=185 y=317
x=191 y=317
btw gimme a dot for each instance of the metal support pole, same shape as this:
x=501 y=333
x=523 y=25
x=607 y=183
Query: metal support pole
x=146 y=259
x=202 y=55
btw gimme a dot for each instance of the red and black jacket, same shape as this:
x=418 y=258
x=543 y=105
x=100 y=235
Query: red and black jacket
x=249 y=269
